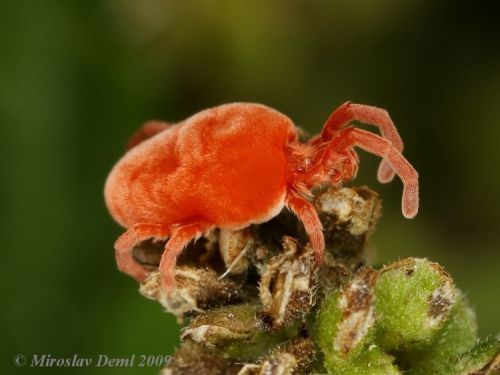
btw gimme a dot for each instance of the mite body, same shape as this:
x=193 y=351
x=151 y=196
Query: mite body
x=236 y=165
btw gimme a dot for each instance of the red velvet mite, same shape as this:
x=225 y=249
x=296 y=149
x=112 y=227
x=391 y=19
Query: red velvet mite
x=236 y=165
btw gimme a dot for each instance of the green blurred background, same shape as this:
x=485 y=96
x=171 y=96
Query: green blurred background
x=78 y=77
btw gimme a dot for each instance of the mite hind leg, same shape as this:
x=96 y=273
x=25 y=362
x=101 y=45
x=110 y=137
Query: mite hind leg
x=147 y=130
x=126 y=242
x=180 y=237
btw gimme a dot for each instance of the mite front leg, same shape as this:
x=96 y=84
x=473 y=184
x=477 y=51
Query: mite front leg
x=179 y=239
x=307 y=214
x=385 y=149
x=370 y=115
x=126 y=242
x=147 y=130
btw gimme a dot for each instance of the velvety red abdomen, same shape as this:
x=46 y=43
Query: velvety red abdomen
x=226 y=165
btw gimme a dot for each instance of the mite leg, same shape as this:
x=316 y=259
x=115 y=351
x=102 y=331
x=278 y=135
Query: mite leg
x=126 y=242
x=147 y=130
x=179 y=238
x=306 y=213
x=385 y=149
x=370 y=115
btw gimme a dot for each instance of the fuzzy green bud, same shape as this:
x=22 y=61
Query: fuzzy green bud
x=373 y=361
x=483 y=358
x=458 y=335
x=414 y=298
x=346 y=319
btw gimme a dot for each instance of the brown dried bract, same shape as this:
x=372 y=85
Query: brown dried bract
x=303 y=350
x=358 y=311
x=288 y=285
x=494 y=366
x=294 y=357
x=442 y=299
x=348 y=217
x=233 y=247
x=194 y=359
x=278 y=364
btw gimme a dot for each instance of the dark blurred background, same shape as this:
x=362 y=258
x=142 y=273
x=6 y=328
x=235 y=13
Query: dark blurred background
x=78 y=77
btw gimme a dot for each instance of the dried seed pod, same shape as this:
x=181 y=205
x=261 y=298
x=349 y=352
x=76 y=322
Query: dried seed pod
x=346 y=319
x=414 y=300
x=288 y=284
x=223 y=325
x=296 y=355
x=236 y=330
x=303 y=350
x=194 y=359
x=277 y=364
x=197 y=289
x=233 y=246
x=210 y=335
x=348 y=217
x=250 y=369
x=358 y=207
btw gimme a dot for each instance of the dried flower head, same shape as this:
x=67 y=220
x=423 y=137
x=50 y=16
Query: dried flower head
x=259 y=303
x=198 y=289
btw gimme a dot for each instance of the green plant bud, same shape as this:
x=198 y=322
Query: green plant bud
x=481 y=359
x=458 y=335
x=414 y=301
x=372 y=361
x=347 y=317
